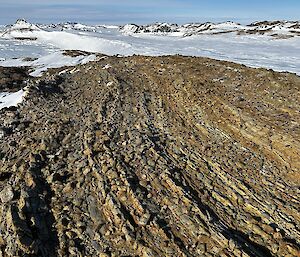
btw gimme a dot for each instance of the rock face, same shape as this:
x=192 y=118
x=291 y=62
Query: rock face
x=152 y=156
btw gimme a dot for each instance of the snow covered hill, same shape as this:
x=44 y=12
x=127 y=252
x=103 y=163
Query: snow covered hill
x=65 y=36
x=20 y=30
x=276 y=29
x=274 y=45
x=183 y=30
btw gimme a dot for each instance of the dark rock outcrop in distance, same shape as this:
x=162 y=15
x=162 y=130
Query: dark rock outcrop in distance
x=152 y=156
x=276 y=29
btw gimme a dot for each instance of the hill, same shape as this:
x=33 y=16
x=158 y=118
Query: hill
x=152 y=156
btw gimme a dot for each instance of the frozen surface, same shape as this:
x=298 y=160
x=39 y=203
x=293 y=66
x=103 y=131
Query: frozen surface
x=18 y=49
x=44 y=41
x=11 y=99
x=41 y=46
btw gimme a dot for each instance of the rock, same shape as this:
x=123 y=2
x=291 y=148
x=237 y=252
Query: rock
x=13 y=78
x=2 y=133
x=179 y=156
x=7 y=194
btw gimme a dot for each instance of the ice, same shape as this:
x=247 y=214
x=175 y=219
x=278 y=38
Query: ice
x=54 y=60
x=45 y=45
x=252 y=50
x=11 y=99
x=23 y=25
x=129 y=29
x=57 y=60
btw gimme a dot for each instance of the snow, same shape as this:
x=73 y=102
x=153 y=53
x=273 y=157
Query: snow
x=70 y=41
x=109 y=26
x=106 y=67
x=23 y=25
x=11 y=99
x=252 y=50
x=57 y=60
x=45 y=45
x=129 y=29
x=54 y=60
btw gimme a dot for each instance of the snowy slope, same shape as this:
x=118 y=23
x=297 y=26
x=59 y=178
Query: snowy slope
x=20 y=30
x=288 y=29
x=226 y=41
x=274 y=45
x=22 y=25
x=11 y=99
x=54 y=60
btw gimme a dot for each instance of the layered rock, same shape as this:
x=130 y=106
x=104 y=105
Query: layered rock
x=152 y=156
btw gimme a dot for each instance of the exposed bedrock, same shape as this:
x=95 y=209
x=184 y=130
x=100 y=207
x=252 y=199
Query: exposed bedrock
x=152 y=156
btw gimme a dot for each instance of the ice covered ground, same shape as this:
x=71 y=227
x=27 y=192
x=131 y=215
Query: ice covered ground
x=52 y=60
x=11 y=99
x=45 y=43
x=253 y=50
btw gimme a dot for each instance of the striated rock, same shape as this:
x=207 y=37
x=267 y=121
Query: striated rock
x=155 y=156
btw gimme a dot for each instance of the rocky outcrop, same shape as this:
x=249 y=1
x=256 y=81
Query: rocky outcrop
x=151 y=28
x=152 y=156
x=13 y=78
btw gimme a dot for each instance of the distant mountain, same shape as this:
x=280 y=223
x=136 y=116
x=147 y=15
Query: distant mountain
x=20 y=30
x=186 y=29
x=22 y=25
x=152 y=28
x=69 y=26
x=277 y=29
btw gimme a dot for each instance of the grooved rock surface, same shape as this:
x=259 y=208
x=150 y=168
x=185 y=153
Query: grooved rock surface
x=152 y=156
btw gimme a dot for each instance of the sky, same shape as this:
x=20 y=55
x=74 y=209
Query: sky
x=139 y=11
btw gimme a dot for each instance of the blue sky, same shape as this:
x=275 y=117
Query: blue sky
x=139 y=11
